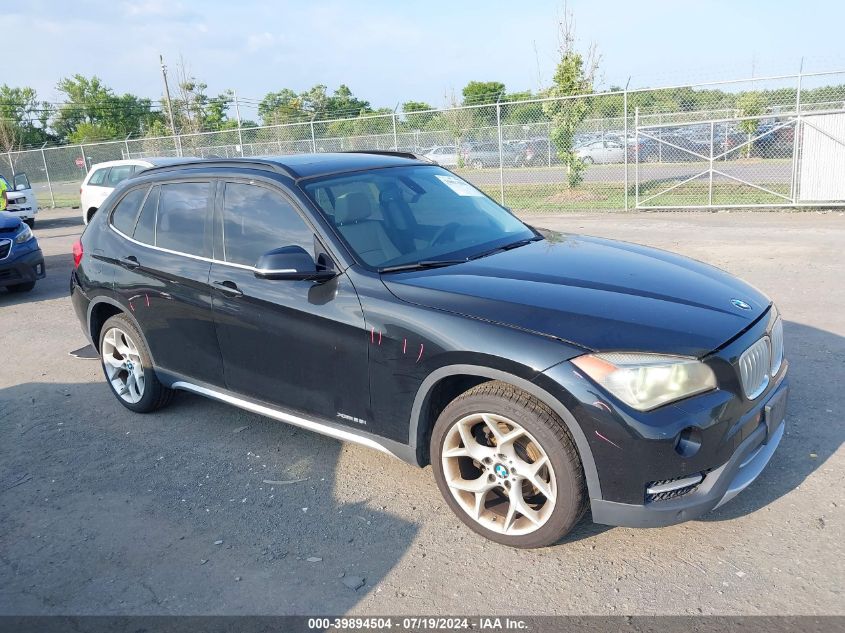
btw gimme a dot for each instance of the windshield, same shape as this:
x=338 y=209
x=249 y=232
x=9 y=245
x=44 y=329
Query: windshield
x=405 y=215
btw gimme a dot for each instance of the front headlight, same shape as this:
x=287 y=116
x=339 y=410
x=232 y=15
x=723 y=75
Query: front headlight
x=24 y=236
x=645 y=381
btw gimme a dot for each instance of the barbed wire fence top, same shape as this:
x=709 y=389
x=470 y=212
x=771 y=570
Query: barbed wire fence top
x=770 y=141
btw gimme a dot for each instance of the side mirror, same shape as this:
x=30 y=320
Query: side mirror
x=292 y=262
x=21 y=187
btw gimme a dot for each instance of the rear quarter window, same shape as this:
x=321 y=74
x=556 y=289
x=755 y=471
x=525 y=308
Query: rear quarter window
x=118 y=174
x=126 y=212
x=98 y=177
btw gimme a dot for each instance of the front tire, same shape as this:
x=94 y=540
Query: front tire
x=128 y=367
x=507 y=466
x=30 y=223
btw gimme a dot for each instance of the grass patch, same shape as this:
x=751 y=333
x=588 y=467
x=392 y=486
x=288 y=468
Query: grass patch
x=555 y=198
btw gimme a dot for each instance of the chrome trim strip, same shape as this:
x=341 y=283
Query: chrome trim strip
x=339 y=434
x=675 y=485
x=196 y=257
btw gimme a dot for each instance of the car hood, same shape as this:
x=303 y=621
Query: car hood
x=599 y=294
x=8 y=221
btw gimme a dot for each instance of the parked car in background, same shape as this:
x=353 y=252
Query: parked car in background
x=21 y=261
x=536 y=152
x=486 y=154
x=20 y=199
x=104 y=177
x=444 y=155
x=601 y=152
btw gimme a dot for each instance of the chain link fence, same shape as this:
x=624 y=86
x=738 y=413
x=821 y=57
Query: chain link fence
x=775 y=141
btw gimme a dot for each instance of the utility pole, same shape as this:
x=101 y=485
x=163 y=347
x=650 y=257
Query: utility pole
x=238 y=115
x=167 y=95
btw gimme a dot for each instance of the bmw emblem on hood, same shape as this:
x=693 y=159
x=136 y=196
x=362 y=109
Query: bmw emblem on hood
x=739 y=303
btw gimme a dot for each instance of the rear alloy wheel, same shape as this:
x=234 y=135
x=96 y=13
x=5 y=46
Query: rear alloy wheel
x=507 y=466
x=128 y=369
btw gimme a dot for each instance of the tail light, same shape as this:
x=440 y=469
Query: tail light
x=77 y=253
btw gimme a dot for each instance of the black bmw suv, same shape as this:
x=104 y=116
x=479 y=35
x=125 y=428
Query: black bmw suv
x=380 y=299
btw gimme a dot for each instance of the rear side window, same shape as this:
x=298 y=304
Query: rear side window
x=145 y=228
x=118 y=174
x=125 y=213
x=182 y=215
x=98 y=177
x=257 y=220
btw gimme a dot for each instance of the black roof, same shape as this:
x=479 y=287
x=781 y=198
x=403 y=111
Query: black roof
x=305 y=165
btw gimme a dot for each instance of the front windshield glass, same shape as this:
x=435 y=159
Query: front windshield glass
x=404 y=215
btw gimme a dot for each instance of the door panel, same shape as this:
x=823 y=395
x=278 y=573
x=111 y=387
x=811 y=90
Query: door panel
x=167 y=292
x=296 y=344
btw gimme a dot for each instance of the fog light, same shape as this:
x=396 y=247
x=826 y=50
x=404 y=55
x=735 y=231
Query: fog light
x=689 y=441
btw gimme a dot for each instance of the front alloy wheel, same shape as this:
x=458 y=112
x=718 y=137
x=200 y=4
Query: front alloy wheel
x=507 y=466
x=499 y=474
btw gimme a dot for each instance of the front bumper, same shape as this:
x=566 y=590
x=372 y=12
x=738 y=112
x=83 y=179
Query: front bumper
x=24 y=268
x=719 y=486
x=24 y=213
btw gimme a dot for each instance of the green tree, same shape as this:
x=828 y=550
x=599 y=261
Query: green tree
x=750 y=104
x=284 y=106
x=573 y=77
x=23 y=119
x=92 y=108
x=412 y=120
x=483 y=93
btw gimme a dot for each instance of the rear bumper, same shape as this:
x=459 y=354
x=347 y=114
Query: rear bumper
x=719 y=486
x=23 y=269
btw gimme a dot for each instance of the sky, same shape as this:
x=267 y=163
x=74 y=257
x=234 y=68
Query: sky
x=389 y=52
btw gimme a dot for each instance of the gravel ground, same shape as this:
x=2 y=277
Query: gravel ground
x=107 y=512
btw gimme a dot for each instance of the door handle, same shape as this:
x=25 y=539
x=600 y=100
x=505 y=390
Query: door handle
x=228 y=287
x=130 y=261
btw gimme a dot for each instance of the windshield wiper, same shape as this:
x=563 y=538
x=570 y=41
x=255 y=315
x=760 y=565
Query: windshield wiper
x=426 y=263
x=507 y=247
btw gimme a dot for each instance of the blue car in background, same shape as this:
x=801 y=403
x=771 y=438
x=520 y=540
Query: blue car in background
x=21 y=260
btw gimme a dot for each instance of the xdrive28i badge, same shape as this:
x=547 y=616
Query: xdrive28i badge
x=739 y=303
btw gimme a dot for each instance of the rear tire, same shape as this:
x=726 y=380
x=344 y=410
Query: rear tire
x=22 y=287
x=507 y=466
x=128 y=367
x=587 y=160
x=476 y=164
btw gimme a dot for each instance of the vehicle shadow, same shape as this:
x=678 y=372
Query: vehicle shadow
x=43 y=223
x=199 y=508
x=54 y=285
x=813 y=430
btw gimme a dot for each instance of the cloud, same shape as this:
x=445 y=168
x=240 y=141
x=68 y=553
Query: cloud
x=260 y=41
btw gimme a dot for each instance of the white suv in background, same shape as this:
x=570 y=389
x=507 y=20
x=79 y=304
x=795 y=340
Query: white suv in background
x=102 y=178
x=20 y=199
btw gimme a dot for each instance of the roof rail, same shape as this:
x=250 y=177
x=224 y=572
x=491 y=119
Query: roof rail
x=224 y=162
x=388 y=152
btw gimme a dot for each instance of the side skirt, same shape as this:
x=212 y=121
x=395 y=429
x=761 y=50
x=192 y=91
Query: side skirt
x=394 y=449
